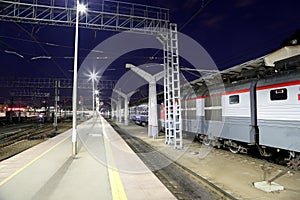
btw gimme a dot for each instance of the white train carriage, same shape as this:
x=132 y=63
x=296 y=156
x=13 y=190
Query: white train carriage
x=188 y=114
x=225 y=116
x=264 y=112
x=278 y=111
x=192 y=111
x=239 y=121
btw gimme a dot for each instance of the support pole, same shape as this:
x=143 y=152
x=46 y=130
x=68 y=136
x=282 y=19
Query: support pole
x=126 y=102
x=114 y=111
x=74 y=103
x=126 y=111
x=119 y=109
x=152 y=108
x=93 y=96
x=57 y=83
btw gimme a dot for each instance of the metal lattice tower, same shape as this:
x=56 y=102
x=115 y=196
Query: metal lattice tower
x=114 y=16
x=172 y=89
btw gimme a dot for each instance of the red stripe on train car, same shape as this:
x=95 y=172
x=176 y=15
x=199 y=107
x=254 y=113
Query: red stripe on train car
x=236 y=92
x=201 y=97
x=195 y=98
x=291 y=83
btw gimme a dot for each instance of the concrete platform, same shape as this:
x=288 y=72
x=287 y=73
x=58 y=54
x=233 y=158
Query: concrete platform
x=105 y=168
x=235 y=173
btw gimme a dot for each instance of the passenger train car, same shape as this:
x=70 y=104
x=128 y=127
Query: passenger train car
x=257 y=107
x=139 y=114
x=259 y=111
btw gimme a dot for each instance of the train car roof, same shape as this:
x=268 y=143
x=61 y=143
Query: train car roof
x=252 y=69
x=281 y=54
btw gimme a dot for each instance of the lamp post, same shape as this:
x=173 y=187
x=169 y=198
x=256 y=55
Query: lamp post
x=57 y=85
x=93 y=80
x=93 y=77
x=97 y=100
x=79 y=8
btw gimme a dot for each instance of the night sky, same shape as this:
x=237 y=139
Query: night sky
x=232 y=32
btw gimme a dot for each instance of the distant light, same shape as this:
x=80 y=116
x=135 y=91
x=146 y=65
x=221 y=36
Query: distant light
x=41 y=57
x=93 y=75
x=101 y=58
x=16 y=109
x=81 y=8
x=97 y=51
x=51 y=44
x=15 y=53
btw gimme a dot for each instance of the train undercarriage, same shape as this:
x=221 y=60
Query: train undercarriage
x=280 y=156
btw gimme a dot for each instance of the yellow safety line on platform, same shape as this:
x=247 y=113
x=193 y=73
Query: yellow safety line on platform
x=32 y=161
x=117 y=189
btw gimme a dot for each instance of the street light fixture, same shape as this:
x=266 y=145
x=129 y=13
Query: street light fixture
x=79 y=8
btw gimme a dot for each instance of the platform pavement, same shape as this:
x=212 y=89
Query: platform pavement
x=104 y=168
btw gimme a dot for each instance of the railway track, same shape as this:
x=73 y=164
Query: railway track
x=29 y=132
x=14 y=140
x=13 y=134
x=13 y=129
x=182 y=182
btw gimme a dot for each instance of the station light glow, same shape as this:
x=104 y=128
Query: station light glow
x=81 y=8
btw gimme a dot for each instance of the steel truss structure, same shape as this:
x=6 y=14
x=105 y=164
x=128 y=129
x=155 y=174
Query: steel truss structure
x=28 y=93
x=23 y=82
x=114 y=16
x=109 y=15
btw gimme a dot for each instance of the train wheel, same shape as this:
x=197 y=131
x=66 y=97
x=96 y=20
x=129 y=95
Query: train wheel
x=234 y=148
x=206 y=141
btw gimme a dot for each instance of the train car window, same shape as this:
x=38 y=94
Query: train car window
x=213 y=115
x=234 y=99
x=214 y=100
x=278 y=94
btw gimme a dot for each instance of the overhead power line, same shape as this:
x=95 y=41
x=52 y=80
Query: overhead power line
x=203 y=6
